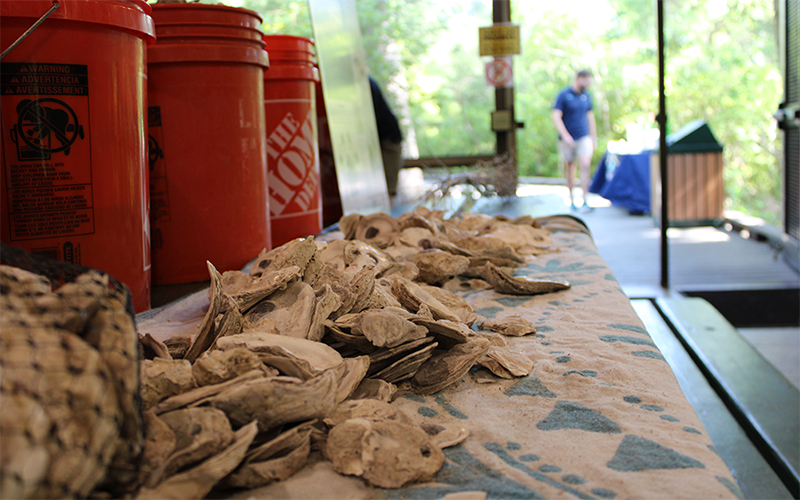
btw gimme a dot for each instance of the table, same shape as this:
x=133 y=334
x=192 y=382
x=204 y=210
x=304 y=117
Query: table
x=624 y=180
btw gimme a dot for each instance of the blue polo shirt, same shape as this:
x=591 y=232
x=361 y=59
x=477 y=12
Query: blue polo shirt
x=574 y=107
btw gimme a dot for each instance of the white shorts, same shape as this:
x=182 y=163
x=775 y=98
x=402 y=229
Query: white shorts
x=582 y=147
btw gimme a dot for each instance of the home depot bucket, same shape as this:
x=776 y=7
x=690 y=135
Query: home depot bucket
x=208 y=172
x=73 y=183
x=292 y=145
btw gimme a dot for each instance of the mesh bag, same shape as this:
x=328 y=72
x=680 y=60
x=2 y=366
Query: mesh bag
x=71 y=421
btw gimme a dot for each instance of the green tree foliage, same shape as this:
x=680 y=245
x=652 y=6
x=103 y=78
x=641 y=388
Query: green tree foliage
x=721 y=67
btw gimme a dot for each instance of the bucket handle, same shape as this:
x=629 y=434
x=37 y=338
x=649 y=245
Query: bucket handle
x=30 y=30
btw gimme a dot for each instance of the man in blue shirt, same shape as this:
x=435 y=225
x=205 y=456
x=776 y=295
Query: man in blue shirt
x=577 y=135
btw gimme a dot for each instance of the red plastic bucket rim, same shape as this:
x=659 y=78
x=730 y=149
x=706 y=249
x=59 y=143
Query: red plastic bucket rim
x=289 y=43
x=129 y=15
x=200 y=8
x=207 y=53
x=279 y=71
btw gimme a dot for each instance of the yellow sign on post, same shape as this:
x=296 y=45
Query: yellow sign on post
x=499 y=40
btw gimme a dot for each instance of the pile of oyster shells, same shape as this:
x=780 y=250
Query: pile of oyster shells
x=306 y=350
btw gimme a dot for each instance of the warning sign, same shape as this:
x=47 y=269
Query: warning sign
x=48 y=171
x=502 y=40
x=499 y=73
x=159 y=196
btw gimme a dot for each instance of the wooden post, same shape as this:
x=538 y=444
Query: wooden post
x=504 y=100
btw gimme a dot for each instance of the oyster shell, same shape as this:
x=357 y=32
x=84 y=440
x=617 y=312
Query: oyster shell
x=447 y=333
x=159 y=443
x=355 y=369
x=274 y=401
x=412 y=296
x=297 y=252
x=333 y=254
x=455 y=303
x=199 y=434
x=512 y=326
x=378 y=229
x=205 y=338
x=437 y=266
x=445 y=436
x=448 y=367
x=293 y=356
x=217 y=366
x=368 y=409
x=358 y=255
x=326 y=303
x=292 y=310
x=198 y=481
x=348 y=225
x=386 y=329
x=386 y=453
x=275 y=460
x=503 y=282
x=162 y=378
x=405 y=367
x=373 y=388
x=506 y=363
x=264 y=285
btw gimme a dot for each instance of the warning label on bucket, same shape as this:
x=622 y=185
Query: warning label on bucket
x=47 y=152
x=159 y=197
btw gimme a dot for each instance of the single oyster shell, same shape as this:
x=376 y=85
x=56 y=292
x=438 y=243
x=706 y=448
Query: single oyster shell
x=503 y=282
x=355 y=369
x=373 y=388
x=274 y=401
x=448 y=367
x=437 y=266
x=415 y=220
x=412 y=296
x=387 y=454
x=197 y=396
x=512 y=326
x=327 y=302
x=445 y=436
x=217 y=366
x=407 y=270
x=292 y=310
x=333 y=254
x=233 y=281
x=205 y=338
x=368 y=409
x=378 y=229
x=348 y=225
x=162 y=378
x=447 y=333
x=199 y=433
x=264 y=285
x=386 y=329
x=455 y=303
x=293 y=356
x=275 y=460
x=153 y=348
x=159 y=443
x=297 y=252
x=414 y=236
x=198 y=481
x=506 y=363
x=405 y=367
x=358 y=255
x=359 y=342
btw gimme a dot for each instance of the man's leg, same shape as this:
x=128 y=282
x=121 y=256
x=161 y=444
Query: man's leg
x=584 y=163
x=569 y=168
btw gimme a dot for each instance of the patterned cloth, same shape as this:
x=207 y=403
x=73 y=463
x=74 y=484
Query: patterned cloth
x=601 y=416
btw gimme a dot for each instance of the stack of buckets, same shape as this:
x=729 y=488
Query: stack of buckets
x=72 y=185
x=226 y=164
x=292 y=143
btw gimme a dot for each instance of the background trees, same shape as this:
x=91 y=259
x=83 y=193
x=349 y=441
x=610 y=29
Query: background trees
x=721 y=66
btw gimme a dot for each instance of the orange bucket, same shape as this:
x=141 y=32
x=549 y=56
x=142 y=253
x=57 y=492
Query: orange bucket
x=73 y=183
x=208 y=172
x=292 y=143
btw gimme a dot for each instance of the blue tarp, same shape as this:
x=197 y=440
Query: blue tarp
x=624 y=180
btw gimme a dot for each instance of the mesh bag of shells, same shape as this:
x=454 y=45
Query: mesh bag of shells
x=69 y=381
x=298 y=357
